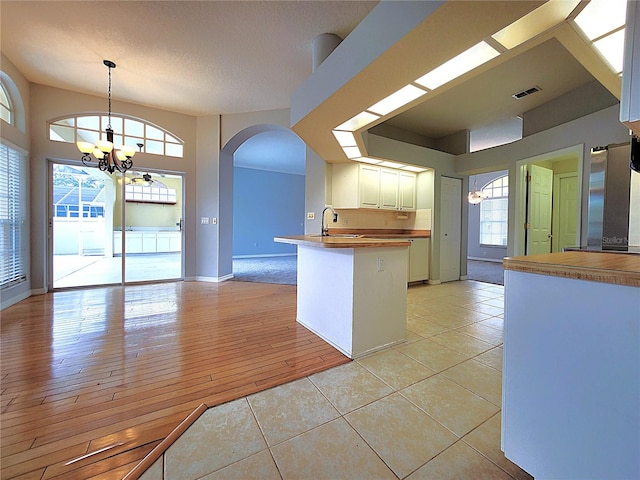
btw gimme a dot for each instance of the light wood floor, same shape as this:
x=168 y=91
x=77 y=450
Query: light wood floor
x=118 y=368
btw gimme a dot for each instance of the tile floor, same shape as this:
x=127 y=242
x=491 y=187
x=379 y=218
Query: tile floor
x=427 y=409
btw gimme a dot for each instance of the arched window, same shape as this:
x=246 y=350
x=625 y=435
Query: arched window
x=494 y=212
x=127 y=131
x=6 y=109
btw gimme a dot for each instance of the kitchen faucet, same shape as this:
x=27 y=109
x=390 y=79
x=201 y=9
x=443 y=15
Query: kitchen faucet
x=325 y=230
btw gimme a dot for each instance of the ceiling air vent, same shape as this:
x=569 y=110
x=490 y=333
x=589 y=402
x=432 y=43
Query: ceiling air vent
x=526 y=92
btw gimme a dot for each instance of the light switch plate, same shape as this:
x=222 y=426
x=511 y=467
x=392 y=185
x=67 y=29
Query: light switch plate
x=311 y=215
x=214 y=220
x=204 y=220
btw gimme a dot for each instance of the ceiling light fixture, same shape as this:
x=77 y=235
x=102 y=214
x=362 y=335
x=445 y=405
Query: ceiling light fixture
x=476 y=197
x=603 y=22
x=398 y=99
x=458 y=65
x=109 y=159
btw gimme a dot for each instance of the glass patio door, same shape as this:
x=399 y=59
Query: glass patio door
x=104 y=225
x=153 y=226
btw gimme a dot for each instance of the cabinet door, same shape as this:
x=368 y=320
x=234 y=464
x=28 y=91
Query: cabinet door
x=369 y=186
x=388 y=189
x=419 y=260
x=406 y=191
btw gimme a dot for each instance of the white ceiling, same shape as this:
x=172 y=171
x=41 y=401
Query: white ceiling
x=192 y=57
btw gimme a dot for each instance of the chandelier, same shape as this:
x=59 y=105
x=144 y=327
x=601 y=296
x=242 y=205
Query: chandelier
x=476 y=196
x=109 y=159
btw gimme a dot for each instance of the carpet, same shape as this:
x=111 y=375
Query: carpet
x=282 y=270
x=488 y=272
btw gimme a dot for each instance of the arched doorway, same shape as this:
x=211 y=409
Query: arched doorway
x=268 y=199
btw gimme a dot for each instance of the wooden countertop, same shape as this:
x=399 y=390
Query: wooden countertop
x=342 y=242
x=616 y=268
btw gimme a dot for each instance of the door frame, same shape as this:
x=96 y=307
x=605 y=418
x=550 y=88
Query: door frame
x=517 y=213
x=49 y=226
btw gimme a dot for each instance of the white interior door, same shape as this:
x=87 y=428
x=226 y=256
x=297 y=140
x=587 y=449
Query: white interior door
x=450 y=228
x=565 y=212
x=539 y=211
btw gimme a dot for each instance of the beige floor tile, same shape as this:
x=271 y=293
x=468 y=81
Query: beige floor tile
x=492 y=357
x=425 y=328
x=395 y=369
x=479 y=378
x=290 y=409
x=494 y=322
x=456 y=317
x=260 y=465
x=462 y=343
x=401 y=434
x=455 y=407
x=482 y=332
x=495 y=302
x=154 y=472
x=433 y=355
x=487 y=309
x=412 y=337
x=350 y=386
x=329 y=452
x=459 y=462
x=486 y=440
x=221 y=436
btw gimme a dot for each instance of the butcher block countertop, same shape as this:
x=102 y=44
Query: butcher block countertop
x=616 y=268
x=342 y=242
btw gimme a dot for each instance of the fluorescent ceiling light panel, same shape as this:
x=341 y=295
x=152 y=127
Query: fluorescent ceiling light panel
x=540 y=20
x=459 y=65
x=600 y=17
x=413 y=168
x=373 y=161
x=359 y=121
x=387 y=163
x=352 y=152
x=396 y=100
x=345 y=139
x=612 y=49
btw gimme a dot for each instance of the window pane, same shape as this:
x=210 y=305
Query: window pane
x=133 y=127
x=58 y=133
x=88 y=136
x=155 y=147
x=67 y=122
x=154 y=133
x=172 y=139
x=90 y=123
x=5 y=114
x=174 y=150
x=116 y=124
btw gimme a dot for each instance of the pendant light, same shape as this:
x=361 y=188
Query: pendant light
x=109 y=159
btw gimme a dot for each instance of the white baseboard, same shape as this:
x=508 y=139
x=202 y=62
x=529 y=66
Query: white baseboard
x=266 y=255
x=14 y=300
x=464 y=277
x=212 y=279
x=434 y=282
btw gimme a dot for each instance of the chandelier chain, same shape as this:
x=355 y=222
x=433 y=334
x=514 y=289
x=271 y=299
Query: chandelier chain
x=109 y=123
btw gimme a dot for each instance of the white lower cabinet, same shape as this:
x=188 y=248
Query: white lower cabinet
x=418 y=260
x=147 y=242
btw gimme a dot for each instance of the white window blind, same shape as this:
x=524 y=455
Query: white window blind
x=12 y=213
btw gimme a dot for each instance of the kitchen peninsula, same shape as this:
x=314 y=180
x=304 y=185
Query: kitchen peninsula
x=571 y=375
x=352 y=290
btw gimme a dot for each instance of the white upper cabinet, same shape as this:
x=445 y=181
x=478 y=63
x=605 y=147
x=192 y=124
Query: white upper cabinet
x=367 y=186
